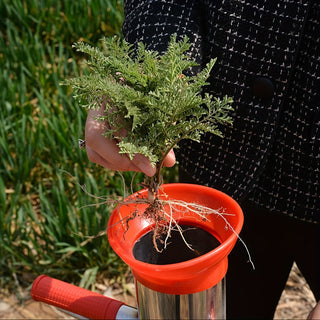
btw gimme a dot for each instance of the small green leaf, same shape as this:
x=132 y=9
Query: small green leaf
x=89 y=278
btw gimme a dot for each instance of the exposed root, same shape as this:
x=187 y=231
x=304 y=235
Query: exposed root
x=203 y=213
x=161 y=213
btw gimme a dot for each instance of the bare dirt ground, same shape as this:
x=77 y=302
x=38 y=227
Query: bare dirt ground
x=296 y=301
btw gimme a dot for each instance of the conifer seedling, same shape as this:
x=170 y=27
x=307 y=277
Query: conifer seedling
x=154 y=98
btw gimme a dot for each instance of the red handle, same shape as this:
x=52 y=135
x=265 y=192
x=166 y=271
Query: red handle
x=74 y=299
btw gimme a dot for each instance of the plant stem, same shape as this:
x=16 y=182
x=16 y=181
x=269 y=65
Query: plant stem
x=154 y=183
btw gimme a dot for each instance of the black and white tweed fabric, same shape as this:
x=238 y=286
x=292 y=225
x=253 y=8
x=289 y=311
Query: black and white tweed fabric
x=269 y=62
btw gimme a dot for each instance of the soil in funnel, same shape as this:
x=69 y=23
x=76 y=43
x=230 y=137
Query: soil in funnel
x=176 y=250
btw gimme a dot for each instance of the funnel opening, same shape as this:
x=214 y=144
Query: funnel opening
x=189 y=276
x=186 y=243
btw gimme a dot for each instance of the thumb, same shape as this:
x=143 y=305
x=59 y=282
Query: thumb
x=170 y=159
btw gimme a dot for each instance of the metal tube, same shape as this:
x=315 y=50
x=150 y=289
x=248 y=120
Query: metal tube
x=208 y=304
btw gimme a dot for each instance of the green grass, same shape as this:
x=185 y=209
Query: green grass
x=44 y=214
x=42 y=224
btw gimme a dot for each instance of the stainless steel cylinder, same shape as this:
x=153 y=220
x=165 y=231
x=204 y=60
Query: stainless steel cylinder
x=208 y=304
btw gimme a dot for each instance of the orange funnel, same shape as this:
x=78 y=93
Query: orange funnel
x=188 y=277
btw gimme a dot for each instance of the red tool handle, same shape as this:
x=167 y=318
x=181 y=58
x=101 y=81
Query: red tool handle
x=74 y=299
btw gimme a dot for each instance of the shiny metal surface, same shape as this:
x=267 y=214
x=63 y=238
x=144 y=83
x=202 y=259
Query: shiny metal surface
x=127 y=313
x=208 y=304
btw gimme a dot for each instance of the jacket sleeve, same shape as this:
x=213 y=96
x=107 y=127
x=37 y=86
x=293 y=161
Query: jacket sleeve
x=153 y=22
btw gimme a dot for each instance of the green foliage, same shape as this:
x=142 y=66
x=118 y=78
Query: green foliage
x=149 y=95
x=44 y=217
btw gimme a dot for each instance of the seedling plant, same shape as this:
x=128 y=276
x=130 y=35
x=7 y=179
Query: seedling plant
x=157 y=102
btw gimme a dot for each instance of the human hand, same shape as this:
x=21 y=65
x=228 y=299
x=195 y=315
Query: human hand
x=105 y=152
x=315 y=313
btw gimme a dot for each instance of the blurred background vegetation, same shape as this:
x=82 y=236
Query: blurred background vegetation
x=44 y=219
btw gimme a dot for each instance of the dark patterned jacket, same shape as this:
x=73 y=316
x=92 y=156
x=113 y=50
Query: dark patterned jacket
x=269 y=62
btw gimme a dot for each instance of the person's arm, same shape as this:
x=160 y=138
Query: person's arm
x=150 y=22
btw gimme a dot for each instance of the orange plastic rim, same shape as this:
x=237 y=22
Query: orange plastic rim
x=190 y=276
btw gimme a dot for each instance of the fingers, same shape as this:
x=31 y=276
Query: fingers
x=170 y=159
x=96 y=158
x=105 y=152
